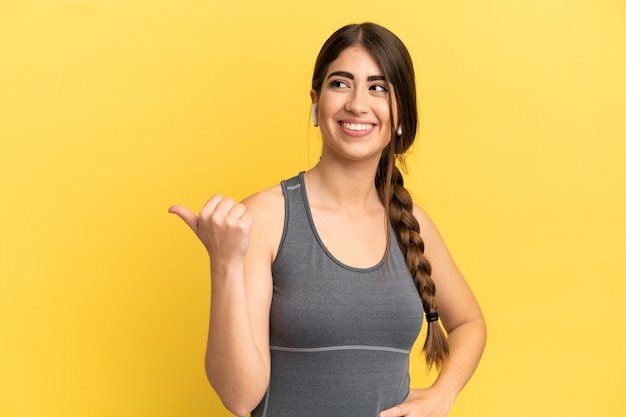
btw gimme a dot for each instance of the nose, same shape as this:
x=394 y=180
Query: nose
x=357 y=102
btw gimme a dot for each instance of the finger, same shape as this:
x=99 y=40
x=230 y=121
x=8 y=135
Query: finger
x=187 y=215
x=237 y=211
x=246 y=221
x=241 y=219
x=216 y=208
x=225 y=204
x=397 y=411
x=237 y=216
x=212 y=203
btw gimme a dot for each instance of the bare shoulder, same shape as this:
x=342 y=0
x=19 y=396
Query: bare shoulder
x=435 y=246
x=275 y=191
x=420 y=214
x=267 y=208
x=427 y=227
x=267 y=203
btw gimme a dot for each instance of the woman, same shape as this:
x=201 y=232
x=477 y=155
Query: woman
x=320 y=284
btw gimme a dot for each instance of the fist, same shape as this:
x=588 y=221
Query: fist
x=222 y=226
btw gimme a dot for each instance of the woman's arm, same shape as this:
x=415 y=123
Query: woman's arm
x=458 y=309
x=241 y=244
x=462 y=318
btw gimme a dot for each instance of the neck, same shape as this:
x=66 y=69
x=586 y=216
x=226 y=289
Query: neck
x=343 y=185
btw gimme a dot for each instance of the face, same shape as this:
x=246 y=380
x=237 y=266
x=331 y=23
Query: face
x=353 y=106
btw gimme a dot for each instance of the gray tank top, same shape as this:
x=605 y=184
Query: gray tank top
x=340 y=336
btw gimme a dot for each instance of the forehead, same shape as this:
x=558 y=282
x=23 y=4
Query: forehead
x=356 y=60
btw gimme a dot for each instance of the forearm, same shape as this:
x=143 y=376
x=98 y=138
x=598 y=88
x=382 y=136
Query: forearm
x=234 y=363
x=466 y=343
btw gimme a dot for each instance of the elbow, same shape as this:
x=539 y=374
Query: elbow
x=240 y=402
x=472 y=332
x=239 y=407
x=480 y=333
x=479 y=329
x=238 y=410
x=483 y=329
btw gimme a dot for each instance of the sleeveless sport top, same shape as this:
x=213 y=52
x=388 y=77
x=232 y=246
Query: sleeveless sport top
x=340 y=336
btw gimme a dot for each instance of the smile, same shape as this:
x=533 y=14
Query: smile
x=357 y=127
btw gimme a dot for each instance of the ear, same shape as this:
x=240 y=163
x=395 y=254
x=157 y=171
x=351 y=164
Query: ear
x=314 y=108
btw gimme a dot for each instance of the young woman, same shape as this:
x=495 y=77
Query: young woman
x=320 y=284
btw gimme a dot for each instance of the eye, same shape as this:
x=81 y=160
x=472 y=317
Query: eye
x=338 y=84
x=379 y=88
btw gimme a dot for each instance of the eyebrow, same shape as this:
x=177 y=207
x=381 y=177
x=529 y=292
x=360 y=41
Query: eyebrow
x=351 y=77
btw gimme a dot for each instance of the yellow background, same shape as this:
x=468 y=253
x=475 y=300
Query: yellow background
x=112 y=110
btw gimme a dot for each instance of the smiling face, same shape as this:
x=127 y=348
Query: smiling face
x=354 y=106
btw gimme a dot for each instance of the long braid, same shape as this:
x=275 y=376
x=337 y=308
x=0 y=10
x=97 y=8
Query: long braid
x=391 y=190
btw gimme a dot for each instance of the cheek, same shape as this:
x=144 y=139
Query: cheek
x=326 y=124
x=326 y=113
x=329 y=105
x=383 y=114
x=327 y=129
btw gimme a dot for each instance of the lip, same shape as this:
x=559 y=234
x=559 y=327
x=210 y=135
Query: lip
x=360 y=131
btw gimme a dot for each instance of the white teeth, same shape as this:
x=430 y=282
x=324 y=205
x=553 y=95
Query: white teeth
x=356 y=126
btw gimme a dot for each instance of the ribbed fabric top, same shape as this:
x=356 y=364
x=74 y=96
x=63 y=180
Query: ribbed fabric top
x=340 y=336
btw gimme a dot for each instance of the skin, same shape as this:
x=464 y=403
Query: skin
x=242 y=240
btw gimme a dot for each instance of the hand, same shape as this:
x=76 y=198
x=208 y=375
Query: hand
x=421 y=403
x=222 y=226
